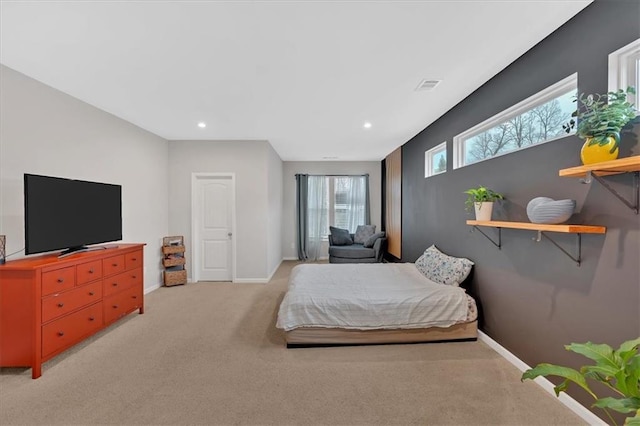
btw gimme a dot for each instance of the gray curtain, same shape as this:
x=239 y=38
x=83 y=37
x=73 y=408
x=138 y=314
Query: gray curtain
x=302 y=205
x=367 y=210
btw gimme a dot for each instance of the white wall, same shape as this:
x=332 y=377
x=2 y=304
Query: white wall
x=274 y=200
x=373 y=168
x=249 y=161
x=44 y=131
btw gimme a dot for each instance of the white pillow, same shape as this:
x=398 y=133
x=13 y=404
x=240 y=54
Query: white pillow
x=442 y=268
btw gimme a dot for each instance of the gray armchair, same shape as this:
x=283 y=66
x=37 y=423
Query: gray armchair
x=357 y=253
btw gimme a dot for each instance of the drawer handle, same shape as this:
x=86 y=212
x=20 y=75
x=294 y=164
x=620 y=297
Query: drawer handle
x=91 y=293
x=134 y=297
x=60 y=305
x=114 y=264
x=91 y=271
x=115 y=284
x=134 y=258
x=60 y=333
x=91 y=318
x=134 y=276
x=115 y=306
x=60 y=280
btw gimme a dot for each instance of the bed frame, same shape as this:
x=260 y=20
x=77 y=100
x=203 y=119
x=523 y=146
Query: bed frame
x=316 y=336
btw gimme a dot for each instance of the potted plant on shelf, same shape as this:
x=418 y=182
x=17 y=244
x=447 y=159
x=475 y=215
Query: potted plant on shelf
x=600 y=119
x=618 y=370
x=482 y=199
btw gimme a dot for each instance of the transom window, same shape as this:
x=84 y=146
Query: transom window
x=435 y=160
x=624 y=70
x=537 y=119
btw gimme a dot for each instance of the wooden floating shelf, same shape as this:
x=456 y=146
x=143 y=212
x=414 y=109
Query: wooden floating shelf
x=572 y=229
x=613 y=167
x=541 y=228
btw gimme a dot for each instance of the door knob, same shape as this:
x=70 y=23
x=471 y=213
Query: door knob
x=229 y=234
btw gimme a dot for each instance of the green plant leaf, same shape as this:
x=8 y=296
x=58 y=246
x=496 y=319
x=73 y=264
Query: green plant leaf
x=602 y=354
x=560 y=371
x=633 y=421
x=605 y=370
x=621 y=383
x=621 y=405
x=633 y=378
x=629 y=346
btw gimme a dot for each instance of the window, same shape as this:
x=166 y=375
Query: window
x=343 y=203
x=624 y=70
x=435 y=160
x=535 y=120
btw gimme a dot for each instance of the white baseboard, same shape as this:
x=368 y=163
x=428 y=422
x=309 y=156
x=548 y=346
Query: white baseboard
x=289 y=258
x=545 y=384
x=250 y=281
x=150 y=289
x=274 y=271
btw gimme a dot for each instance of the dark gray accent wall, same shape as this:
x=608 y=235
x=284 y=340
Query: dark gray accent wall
x=535 y=299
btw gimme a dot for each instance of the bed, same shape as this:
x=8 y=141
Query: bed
x=348 y=304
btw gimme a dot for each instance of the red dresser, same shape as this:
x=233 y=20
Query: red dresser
x=48 y=304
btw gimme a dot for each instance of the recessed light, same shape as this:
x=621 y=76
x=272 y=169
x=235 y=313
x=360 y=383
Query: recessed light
x=202 y=124
x=367 y=125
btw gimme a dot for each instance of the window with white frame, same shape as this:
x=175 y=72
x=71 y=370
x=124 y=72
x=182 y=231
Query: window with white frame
x=535 y=120
x=624 y=70
x=435 y=160
x=340 y=201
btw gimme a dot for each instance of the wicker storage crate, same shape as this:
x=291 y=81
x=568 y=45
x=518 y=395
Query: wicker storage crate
x=170 y=261
x=175 y=277
x=172 y=249
x=173 y=260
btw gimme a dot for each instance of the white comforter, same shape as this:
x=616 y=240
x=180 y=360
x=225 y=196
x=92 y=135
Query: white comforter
x=368 y=296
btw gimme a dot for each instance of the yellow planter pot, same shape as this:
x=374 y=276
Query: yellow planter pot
x=596 y=153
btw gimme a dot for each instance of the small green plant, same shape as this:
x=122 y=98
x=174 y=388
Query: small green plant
x=619 y=370
x=480 y=194
x=600 y=116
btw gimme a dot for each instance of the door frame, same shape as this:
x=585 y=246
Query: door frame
x=199 y=176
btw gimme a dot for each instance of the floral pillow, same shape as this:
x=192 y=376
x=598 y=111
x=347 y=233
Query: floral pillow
x=442 y=268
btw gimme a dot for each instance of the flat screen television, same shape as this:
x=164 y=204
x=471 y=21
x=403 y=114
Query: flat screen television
x=69 y=214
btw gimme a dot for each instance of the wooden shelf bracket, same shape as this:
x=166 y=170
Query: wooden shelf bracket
x=633 y=205
x=613 y=167
x=497 y=244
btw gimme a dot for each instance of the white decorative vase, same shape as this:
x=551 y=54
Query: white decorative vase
x=548 y=210
x=483 y=211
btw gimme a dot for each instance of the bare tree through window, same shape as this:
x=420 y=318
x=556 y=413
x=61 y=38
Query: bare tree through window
x=539 y=124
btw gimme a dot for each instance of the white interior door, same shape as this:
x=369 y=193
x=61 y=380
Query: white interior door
x=213 y=227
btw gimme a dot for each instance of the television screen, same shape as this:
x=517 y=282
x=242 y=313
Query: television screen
x=69 y=214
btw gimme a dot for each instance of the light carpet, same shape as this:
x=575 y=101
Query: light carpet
x=209 y=354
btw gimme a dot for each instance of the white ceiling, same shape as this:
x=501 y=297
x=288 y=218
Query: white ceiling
x=304 y=75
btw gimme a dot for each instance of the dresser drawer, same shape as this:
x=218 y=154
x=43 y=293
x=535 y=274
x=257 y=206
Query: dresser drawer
x=134 y=277
x=62 y=303
x=133 y=260
x=89 y=271
x=113 y=265
x=116 y=283
x=68 y=330
x=122 y=304
x=58 y=280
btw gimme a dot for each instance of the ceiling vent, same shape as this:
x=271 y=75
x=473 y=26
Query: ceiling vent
x=427 y=85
